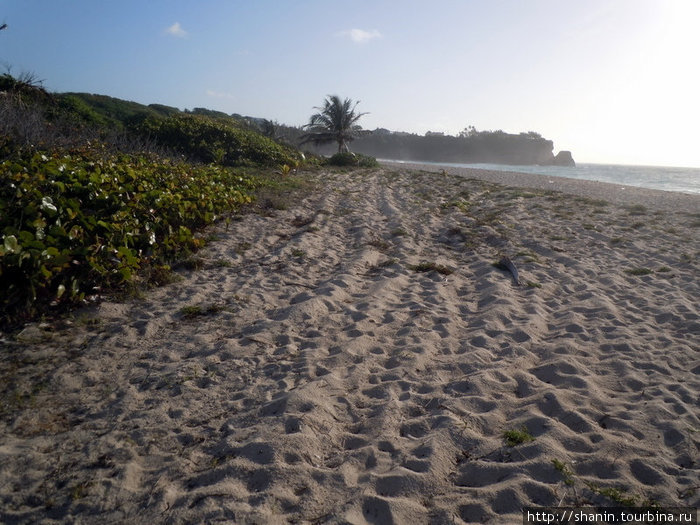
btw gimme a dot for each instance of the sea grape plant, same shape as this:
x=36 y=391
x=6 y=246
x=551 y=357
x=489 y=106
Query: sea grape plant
x=71 y=224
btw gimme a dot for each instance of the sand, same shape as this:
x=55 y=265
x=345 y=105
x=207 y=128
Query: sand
x=308 y=373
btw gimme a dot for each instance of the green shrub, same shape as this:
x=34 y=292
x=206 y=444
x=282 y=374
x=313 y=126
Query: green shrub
x=352 y=159
x=71 y=225
x=212 y=140
x=517 y=437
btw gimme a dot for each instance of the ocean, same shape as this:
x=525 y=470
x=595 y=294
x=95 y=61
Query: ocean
x=684 y=180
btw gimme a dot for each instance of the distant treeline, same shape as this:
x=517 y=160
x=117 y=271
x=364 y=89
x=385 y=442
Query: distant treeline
x=470 y=146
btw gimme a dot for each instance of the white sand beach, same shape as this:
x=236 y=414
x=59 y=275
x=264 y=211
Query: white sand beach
x=309 y=373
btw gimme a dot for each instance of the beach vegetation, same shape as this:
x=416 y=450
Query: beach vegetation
x=75 y=223
x=192 y=263
x=517 y=436
x=191 y=311
x=336 y=121
x=599 y=203
x=431 y=267
x=352 y=159
x=461 y=204
x=636 y=209
x=379 y=243
x=243 y=247
x=208 y=140
x=565 y=471
x=615 y=494
x=529 y=255
x=100 y=195
x=638 y=271
x=222 y=263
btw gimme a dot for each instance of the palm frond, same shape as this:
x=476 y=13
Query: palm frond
x=336 y=121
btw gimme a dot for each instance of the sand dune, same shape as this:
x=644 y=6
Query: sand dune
x=309 y=372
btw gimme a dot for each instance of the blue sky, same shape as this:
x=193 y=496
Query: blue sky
x=614 y=81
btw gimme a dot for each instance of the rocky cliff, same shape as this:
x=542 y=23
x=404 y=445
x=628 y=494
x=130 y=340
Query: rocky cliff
x=563 y=158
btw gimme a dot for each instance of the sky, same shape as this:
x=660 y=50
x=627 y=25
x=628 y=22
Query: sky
x=613 y=81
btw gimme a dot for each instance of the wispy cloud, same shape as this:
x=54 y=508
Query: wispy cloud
x=360 y=36
x=176 y=30
x=219 y=94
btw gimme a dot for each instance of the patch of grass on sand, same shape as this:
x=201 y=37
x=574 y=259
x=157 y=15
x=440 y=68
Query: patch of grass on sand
x=599 y=203
x=638 y=271
x=614 y=494
x=430 y=267
x=160 y=275
x=297 y=252
x=191 y=311
x=636 y=209
x=222 y=263
x=528 y=255
x=379 y=243
x=192 y=263
x=461 y=204
x=565 y=471
x=517 y=437
x=79 y=491
x=243 y=247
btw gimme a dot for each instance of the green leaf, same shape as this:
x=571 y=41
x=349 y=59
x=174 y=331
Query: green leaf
x=11 y=244
x=75 y=232
x=26 y=237
x=48 y=206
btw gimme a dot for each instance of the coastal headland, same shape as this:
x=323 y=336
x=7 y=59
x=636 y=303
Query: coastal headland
x=357 y=356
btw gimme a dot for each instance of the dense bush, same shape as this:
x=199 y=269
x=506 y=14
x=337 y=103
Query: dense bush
x=353 y=159
x=209 y=140
x=85 y=202
x=73 y=223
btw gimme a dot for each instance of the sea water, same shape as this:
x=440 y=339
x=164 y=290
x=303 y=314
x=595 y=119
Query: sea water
x=684 y=180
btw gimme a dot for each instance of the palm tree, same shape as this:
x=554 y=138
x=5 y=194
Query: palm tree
x=335 y=122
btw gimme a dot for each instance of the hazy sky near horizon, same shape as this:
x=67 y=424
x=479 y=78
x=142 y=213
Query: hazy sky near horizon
x=614 y=81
